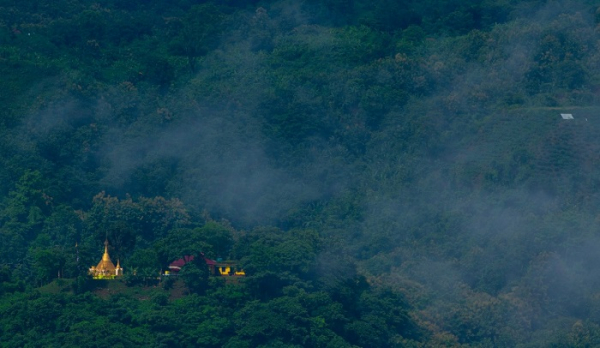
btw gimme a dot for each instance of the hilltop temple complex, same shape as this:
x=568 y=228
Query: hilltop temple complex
x=105 y=268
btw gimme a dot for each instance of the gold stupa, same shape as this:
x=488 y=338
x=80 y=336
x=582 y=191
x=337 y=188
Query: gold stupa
x=105 y=268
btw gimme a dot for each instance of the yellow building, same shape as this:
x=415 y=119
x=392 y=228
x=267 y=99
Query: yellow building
x=105 y=268
x=229 y=268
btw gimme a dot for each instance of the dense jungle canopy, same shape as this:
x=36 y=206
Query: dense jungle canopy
x=388 y=173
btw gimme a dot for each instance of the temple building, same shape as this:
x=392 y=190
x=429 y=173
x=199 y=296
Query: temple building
x=105 y=268
x=215 y=268
x=229 y=268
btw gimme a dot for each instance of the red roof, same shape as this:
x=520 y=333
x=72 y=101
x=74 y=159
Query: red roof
x=176 y=265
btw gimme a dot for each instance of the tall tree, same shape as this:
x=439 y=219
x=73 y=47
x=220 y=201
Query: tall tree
x=197 y=32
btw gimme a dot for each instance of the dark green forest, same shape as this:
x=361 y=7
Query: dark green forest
x=387 y=173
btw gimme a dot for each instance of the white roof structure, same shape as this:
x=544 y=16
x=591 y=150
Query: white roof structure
x=566 y=116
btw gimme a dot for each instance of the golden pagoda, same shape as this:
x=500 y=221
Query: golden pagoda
x=105 y=268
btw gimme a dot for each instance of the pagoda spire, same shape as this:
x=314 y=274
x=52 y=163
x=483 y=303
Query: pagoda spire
x=105 y=257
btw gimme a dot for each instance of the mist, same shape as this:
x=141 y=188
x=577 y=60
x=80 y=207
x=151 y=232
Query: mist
x=437 y=163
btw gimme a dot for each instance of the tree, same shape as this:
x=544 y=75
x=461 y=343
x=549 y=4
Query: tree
x=195 y=275
x=180 y=242
x=218 y=237
x=197 y=32
x=143 y=266
x=27 y=203
x=49 y=263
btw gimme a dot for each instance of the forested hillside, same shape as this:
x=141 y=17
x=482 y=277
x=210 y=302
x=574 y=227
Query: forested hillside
x=388 y=174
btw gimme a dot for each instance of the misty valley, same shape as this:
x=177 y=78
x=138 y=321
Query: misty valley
x=337 y=173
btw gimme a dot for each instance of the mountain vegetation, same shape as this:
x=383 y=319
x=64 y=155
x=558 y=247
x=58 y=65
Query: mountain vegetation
x=388 y=174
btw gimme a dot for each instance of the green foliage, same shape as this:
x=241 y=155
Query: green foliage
x=197 y=32
x=195 y=275
x=125 y=222
x=49 y=263
x=143 y=267
x=411 y=145
x=218 y=237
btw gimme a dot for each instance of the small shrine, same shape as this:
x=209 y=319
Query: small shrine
x=105 y=268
